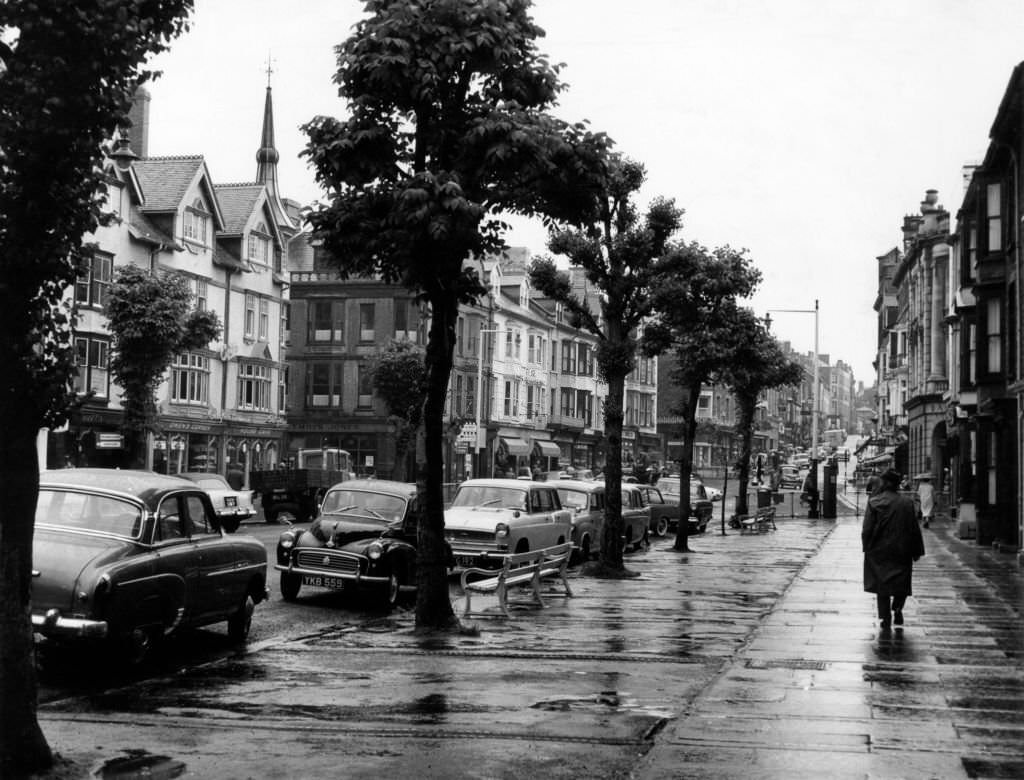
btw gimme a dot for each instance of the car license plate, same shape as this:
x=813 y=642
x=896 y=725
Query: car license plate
x=323 y=581
x=465 y=561
x=230 y=501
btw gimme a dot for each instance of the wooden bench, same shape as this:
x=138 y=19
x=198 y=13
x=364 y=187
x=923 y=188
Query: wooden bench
x=527 y=568
x=758 y=523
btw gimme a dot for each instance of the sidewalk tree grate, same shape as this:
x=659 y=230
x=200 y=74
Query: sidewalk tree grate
x=786 y=663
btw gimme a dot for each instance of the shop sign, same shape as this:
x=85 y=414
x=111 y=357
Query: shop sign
x=109 y=441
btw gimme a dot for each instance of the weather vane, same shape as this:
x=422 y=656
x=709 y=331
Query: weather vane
x=270 y=68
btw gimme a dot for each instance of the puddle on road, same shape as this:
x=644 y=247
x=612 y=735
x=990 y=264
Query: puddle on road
x=603 y=700
x=139 y=764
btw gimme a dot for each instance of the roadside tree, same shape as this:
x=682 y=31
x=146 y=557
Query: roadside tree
x=757 y=364
x=448 y=128
x=695 y=313
x=400 y=379
x=152 y=318
x=621 y=253
x=67 y=76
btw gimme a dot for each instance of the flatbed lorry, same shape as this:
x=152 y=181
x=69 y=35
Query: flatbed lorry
x=293 y=491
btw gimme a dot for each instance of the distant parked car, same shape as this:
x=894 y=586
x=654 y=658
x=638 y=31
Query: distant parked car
x=700 y=505
x=586 y=502
x=129 y=557
x=664 y=514
x=364 y=540
x=229 y=504
x=790 y=478
x=636 y=516
x=490 y=518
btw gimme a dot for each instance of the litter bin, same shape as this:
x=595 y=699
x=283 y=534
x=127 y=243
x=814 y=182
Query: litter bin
x=764 y=497
x=828 y=494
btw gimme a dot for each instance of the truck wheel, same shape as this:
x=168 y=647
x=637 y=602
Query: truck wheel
x=290 y=586
x=283 y=513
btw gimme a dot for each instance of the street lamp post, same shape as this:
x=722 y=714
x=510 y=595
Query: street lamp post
x=481 y=435
x=813 y=511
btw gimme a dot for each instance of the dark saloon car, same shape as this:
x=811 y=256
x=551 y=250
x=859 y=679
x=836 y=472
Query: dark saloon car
x=364 y=540
x=700 y=505
x=132 y=556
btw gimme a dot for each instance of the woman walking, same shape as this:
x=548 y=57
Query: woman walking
x=926 y=493
x=892 y=541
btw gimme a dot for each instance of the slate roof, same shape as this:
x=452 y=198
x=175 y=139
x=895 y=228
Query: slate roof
x=237 y=202
x=165 y=179
x=142 y=229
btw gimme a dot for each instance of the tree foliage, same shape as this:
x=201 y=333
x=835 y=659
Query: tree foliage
x=400 y=379
x=758 y=364
x=448 y=128
x=152 y=318
x=621 y=253
x=67 y=75
x=695 y=312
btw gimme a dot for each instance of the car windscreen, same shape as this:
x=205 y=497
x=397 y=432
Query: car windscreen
x=490 y=496
x=381 y=506
x=668 y=487
x=574 y=499
x=86 y=511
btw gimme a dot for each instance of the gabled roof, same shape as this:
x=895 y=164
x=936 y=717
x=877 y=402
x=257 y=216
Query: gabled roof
x=239 y=202
x=166 y=180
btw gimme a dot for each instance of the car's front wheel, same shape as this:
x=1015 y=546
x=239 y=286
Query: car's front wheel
x=138 y=644
x=392 y=593
x=241 y=621
x=290 y=585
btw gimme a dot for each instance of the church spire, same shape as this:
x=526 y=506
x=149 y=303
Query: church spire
x=267 y=157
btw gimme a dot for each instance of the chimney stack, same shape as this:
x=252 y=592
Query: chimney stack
x=138 y=134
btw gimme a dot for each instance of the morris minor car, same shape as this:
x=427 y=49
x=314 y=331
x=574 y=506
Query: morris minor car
x=491 y=518
x=664 y=514
x=586 y=502
x=363 y=540
x=129 y=557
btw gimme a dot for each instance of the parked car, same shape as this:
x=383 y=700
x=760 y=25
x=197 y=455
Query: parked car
x=490 y=518
x=636 y=517
x=700 y=505
x=790 y=478
x=664 y=514
x=129 y=557
x=364 y=540
x=230 y=505
x=589 y=505
x=586 y=502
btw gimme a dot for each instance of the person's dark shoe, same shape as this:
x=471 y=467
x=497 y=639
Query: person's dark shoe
x=926 y=522
x=886 y=624
x=897 y=617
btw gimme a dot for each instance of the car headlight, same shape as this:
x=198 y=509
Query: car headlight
x=287 y=540
x=501 y=530
x=374 y=551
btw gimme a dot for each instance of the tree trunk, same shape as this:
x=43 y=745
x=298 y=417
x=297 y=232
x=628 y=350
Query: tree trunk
x=433 y=605
x=692 y=395
x=746 y=426
x=23 y=748
x=610 y=559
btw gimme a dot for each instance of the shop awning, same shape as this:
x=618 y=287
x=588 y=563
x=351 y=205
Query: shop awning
x=548 y=448
x=515 y=446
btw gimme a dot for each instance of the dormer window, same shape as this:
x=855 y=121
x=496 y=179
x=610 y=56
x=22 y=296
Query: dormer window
x=259 y=245
x=196 y=219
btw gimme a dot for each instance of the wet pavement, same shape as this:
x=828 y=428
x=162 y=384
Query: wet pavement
x=753 y=656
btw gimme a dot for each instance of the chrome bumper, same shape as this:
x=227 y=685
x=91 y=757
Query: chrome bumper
x=53 y=624
x=357 y=578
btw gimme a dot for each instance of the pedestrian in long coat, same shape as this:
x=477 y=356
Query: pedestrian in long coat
x=891 y=540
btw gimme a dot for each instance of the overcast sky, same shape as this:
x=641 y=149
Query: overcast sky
x=802 y=130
